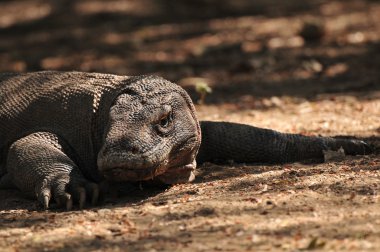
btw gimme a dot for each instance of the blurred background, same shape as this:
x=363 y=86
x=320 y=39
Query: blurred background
x=298 y=66
x=240 y=55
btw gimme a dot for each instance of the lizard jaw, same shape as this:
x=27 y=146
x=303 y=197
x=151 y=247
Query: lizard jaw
x=179 y=174
x=166 y=175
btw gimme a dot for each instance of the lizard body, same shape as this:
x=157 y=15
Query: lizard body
x=61 y=133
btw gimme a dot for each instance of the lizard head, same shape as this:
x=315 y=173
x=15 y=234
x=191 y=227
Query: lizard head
x=152 y=132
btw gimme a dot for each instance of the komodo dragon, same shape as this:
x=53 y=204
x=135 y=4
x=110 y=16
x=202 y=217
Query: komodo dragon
x=62 y=133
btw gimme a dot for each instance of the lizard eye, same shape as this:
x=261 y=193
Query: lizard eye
x=166 y=120
x=164 y=123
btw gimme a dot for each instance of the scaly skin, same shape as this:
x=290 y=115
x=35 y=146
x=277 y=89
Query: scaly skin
x=222 y=141
x=63 y=132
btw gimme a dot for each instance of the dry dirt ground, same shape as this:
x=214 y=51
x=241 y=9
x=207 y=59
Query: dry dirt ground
x=262 y=73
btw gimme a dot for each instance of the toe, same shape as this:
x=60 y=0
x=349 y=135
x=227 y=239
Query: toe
x=64 y=200
x=43 y=193
x=61 y=196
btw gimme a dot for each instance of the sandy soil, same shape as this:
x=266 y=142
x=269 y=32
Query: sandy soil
x=262 y=73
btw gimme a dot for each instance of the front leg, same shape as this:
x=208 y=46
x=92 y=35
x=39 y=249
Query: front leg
x=38 y=166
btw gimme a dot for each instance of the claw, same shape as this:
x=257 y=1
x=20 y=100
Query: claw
x=67 y=191
x=46 y=200
x=69 y=204
x=65 y=199
x=43 y=193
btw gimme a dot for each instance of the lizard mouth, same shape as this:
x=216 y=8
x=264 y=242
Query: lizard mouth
x=178 y=174
x=177 y=167
x=120 y=174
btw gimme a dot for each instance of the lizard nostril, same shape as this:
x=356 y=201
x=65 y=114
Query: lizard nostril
x=134 y=150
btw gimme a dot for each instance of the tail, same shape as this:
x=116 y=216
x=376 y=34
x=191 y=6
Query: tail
x=222 y=141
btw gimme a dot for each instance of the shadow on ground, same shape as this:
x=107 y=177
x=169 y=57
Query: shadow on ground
x=232 y=43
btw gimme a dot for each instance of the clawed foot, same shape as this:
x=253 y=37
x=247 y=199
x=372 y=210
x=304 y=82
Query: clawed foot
x=67 y=191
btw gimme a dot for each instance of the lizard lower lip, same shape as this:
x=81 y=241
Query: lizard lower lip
x=180 y=169
x=120 y=174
